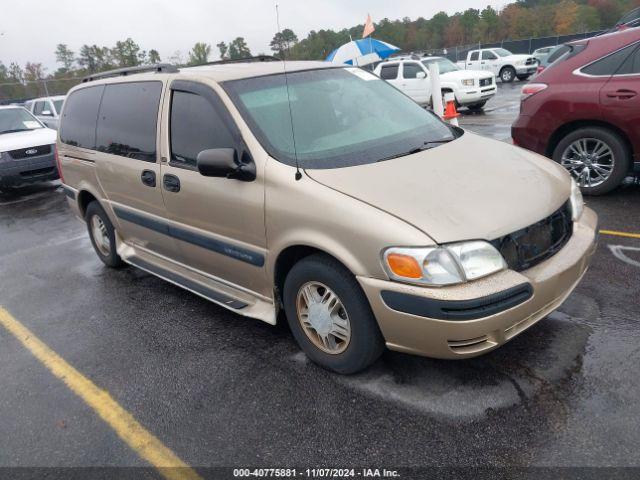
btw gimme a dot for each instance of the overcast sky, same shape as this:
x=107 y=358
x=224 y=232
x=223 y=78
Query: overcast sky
x=31 y=29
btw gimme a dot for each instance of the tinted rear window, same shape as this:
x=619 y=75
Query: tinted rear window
x=128 y=120
x=610 y=64
x=631 y=65
x=389 y=72
x=78 y=126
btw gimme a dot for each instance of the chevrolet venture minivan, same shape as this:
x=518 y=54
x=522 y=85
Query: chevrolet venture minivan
x=323 y=191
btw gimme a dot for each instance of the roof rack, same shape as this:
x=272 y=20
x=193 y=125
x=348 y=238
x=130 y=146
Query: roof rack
x=257 y=58
x=121 y=72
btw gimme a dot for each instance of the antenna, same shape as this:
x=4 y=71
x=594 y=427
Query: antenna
x=286 y=81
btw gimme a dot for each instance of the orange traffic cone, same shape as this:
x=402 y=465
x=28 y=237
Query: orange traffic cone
x=450 y=112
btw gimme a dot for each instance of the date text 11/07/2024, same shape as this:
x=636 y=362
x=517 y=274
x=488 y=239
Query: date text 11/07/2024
x=316 y=473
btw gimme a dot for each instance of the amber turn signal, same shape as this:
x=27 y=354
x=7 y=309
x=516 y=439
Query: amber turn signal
x=404 y=265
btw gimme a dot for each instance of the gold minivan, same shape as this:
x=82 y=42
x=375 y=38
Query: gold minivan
x=325 y=192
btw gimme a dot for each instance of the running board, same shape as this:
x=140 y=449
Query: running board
x=179 y=280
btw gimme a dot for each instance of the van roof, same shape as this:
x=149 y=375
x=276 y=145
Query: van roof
x=221 y=72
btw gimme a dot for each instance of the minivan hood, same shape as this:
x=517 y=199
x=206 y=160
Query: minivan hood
x=470 y=188
x=30 y=138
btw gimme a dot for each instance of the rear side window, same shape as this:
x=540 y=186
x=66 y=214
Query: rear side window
x=128 y=120
x=474 y=56
x=78 y=127
x=389 y=72
x=410 y=70
x=610 y=64
x=631 y=65
x=195 y=126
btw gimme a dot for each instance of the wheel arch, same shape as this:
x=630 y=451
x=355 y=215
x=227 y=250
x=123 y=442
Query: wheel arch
x=502 y=68
x=567 y=128
x=288 y=257
x=85 y=197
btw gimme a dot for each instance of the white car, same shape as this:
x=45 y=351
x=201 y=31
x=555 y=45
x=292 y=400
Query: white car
x=47 y=109
x=472 y=89
x=506 y=65
x=27 y=148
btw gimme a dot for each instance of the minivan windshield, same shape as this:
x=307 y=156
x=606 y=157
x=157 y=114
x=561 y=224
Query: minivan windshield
x=17 y=120
x=334 y=117
x=444 y=64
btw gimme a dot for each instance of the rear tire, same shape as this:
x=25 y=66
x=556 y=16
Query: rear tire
x=507 y=74
x=592 y=140
x=102 y=235
x=346 y=312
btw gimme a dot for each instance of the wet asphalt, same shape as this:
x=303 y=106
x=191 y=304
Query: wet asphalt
x=222 y=390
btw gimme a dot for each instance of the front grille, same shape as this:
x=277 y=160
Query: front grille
x=30 y=152
x=486 y=81
x=531 y=61
x=532 y=245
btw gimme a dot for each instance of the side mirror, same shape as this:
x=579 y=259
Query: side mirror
x=46 y=113
x=224 y=163
x=421 y=75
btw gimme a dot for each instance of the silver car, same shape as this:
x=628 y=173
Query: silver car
x=47 y=109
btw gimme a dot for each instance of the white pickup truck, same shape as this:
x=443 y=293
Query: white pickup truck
x=506 y=65
x=472 y=89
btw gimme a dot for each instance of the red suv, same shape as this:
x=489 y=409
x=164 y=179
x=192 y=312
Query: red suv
x=584 y=111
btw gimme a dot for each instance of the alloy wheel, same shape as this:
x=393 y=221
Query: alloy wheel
x=323 y=318
x=100 y=235
x=589 y=160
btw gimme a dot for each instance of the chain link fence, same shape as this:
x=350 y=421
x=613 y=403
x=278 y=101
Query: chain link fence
x=525 y=46
x=20 y=92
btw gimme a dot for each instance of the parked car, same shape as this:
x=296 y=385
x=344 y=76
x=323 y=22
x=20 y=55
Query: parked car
x=555 y=53
x=506 y=65
x=472 y=89
x=584 y=111
x=27 y=148
x=541 y=54
x=47 y=110
x=326 y=193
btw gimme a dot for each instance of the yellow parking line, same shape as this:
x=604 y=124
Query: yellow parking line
x=620 y=234
x=122 y=422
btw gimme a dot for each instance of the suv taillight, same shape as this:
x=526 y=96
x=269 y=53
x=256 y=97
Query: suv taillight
x=58 y=164
x=532 y=89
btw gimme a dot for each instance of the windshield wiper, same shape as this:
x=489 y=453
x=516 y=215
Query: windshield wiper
x=15 y=130
x=425 y=146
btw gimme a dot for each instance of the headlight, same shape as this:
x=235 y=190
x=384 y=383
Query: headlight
x=520 y=62
x=577 y=202
x=445 y=265
x=468 y=82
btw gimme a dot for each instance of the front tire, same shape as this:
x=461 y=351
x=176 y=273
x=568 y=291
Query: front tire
x=597 y=158
x=476 y=107
x=329 y=315
x=102 y=235
x=507 y=74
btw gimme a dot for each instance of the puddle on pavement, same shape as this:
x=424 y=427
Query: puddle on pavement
x=541 y=359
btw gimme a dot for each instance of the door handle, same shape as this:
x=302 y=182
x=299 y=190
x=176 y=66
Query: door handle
x=481 y=63
x=622 y=94
x=148 y=178
x=171 y=183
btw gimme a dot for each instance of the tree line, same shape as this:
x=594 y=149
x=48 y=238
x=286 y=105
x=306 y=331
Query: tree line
x=518 y=20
